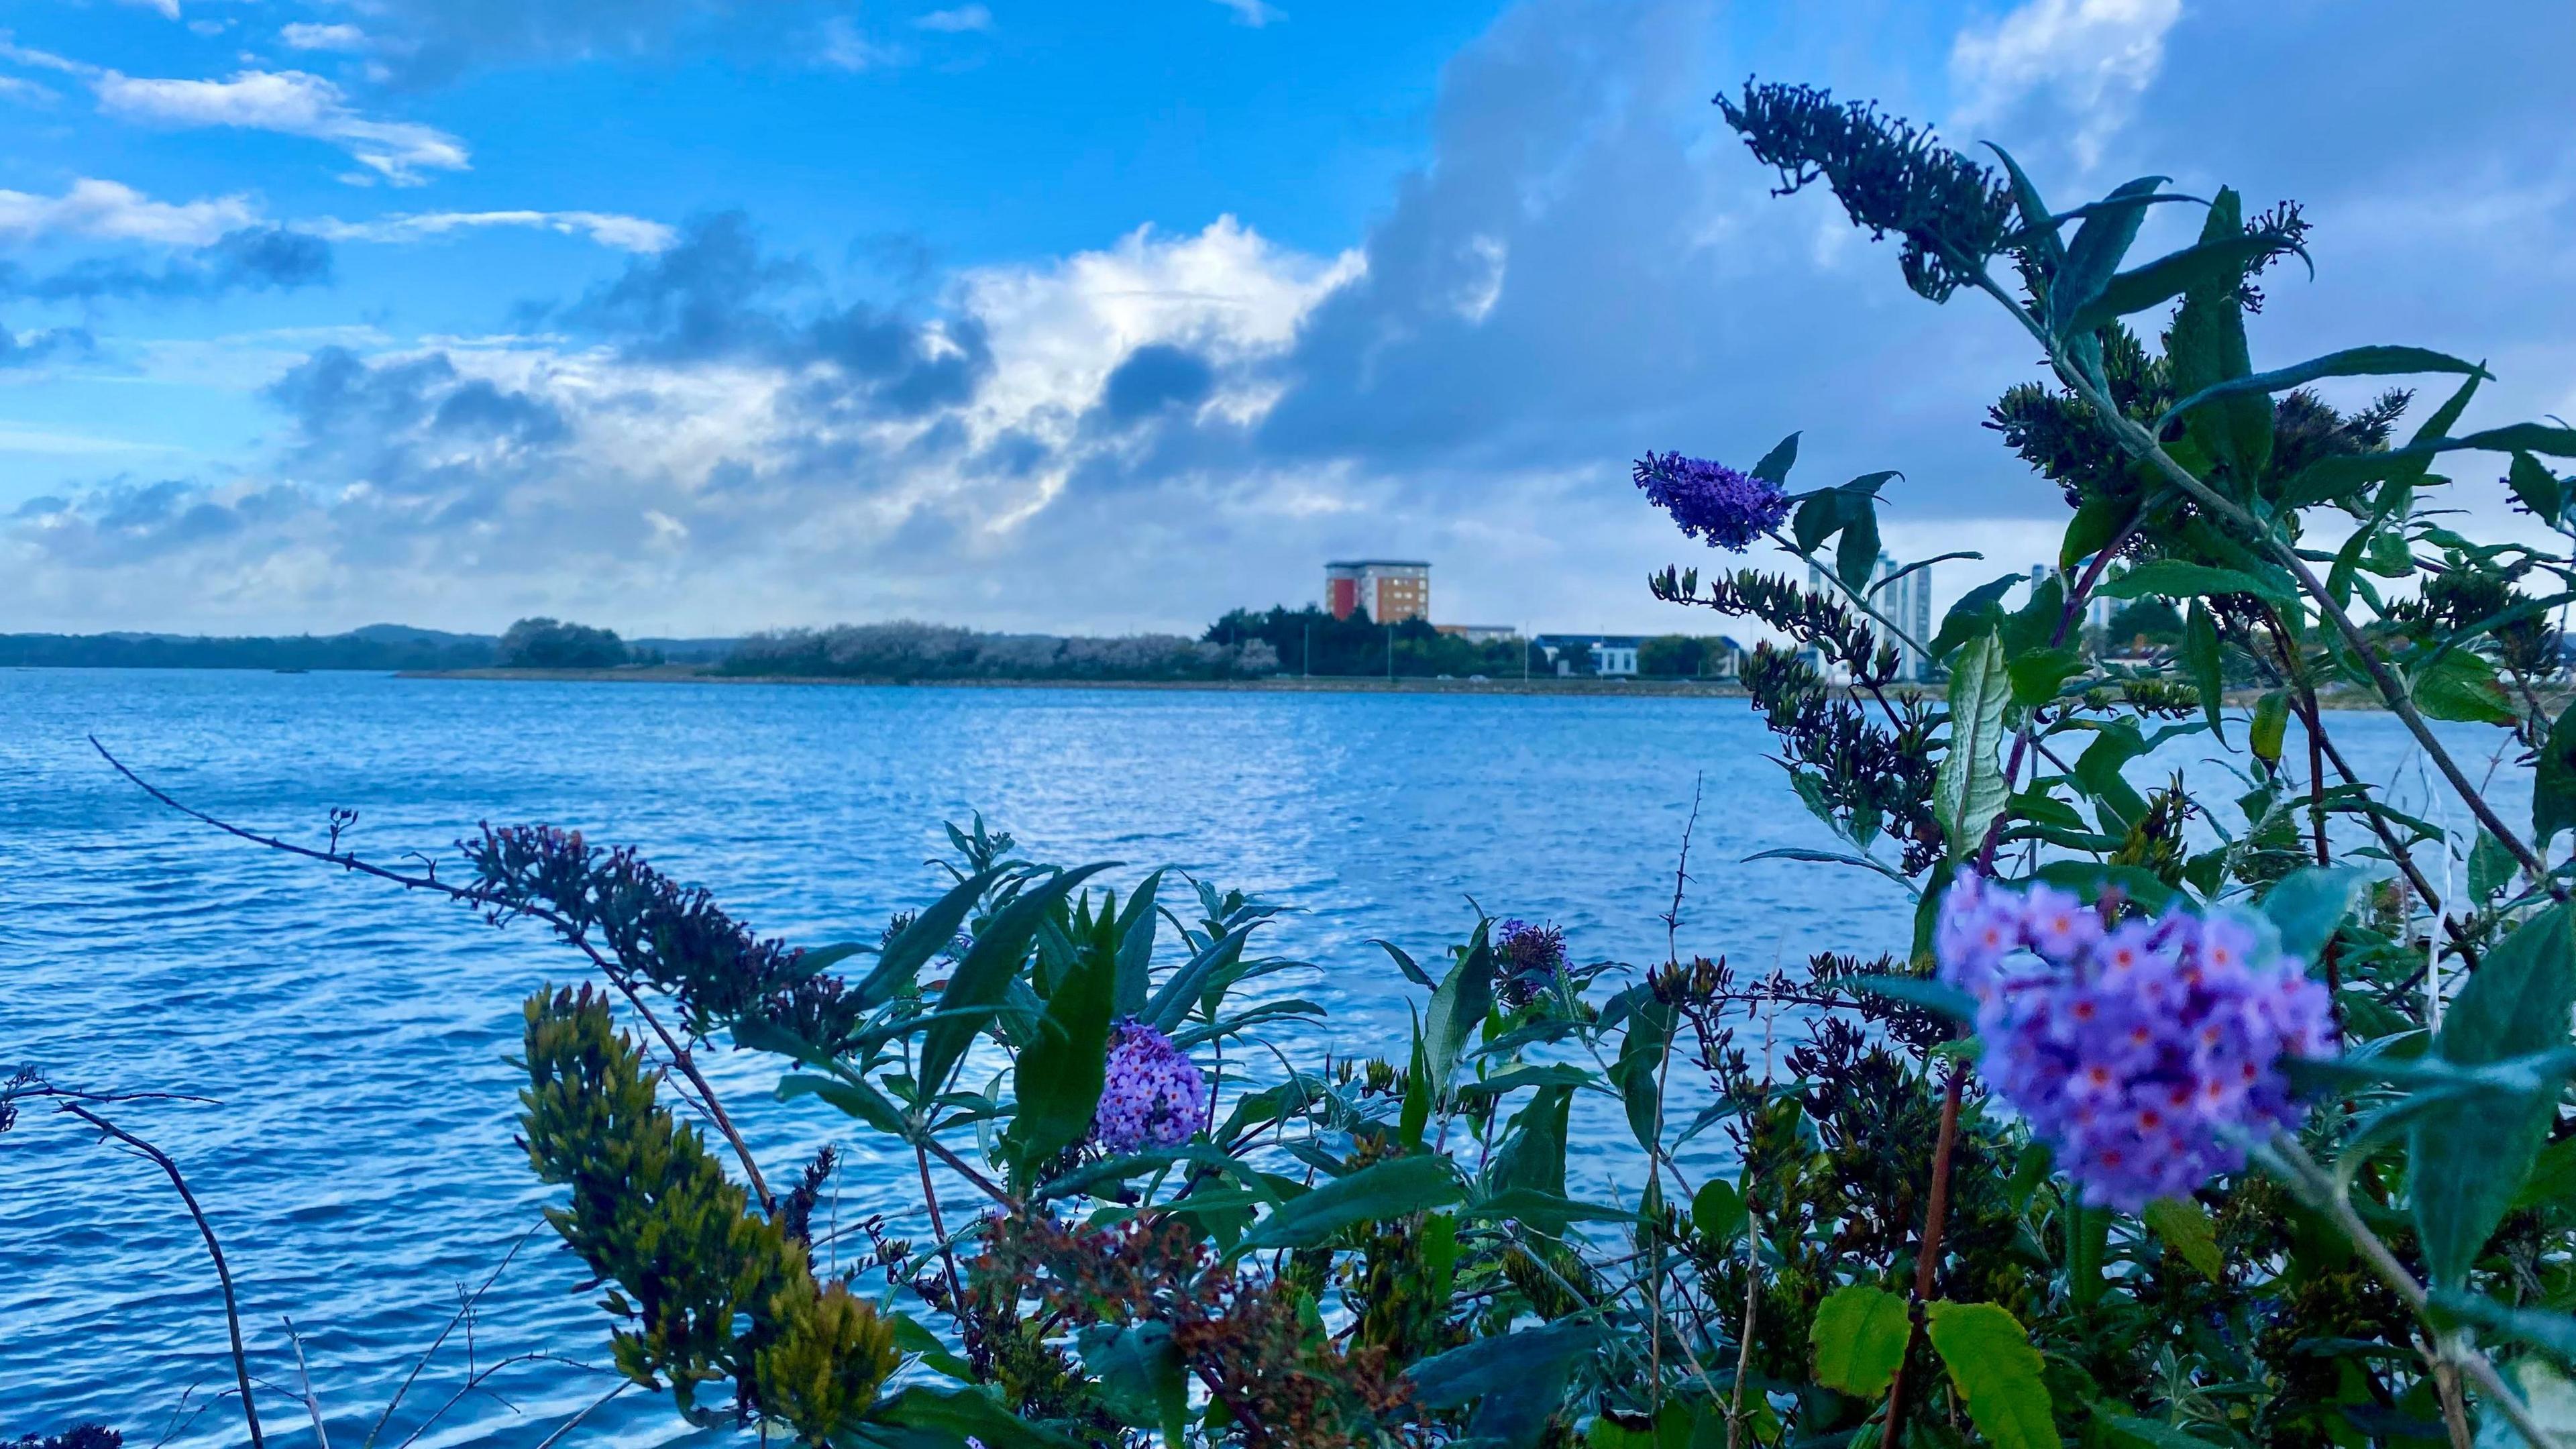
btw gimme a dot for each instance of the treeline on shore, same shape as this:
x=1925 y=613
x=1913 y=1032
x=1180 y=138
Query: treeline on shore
x=1244 y=644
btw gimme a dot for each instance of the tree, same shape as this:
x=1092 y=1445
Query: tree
x=542 y=643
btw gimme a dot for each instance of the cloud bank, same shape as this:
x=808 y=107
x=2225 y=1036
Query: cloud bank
x=718 y=437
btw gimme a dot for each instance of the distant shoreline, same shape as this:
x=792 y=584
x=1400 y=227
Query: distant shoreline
x=1631 y=687
x=1276 y=684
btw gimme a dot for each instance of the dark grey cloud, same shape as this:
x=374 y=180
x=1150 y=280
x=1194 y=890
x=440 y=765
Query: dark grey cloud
x=1154 y=378
x=719 y=294
x=250 y=259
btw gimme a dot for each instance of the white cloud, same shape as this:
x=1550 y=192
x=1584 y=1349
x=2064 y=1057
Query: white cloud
x=846 y=47
x=2093 y=56
x=42 y=59
x=291 y=103
x=1255 y=13
x=963 y=18
x=169 y=8
x=25 y=92
x=1059 y=330
x=111 y=211
x=609 y=229
x=306 y=36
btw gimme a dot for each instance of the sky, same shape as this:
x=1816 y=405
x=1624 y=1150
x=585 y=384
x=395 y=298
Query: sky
x=696 y=317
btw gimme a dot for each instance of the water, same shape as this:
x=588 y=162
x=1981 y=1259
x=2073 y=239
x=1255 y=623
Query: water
x=360 y=1166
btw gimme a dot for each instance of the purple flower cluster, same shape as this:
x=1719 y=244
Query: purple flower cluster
x=1531 y=958
x=1729 y=508
x=2141 y=1051
x=1153 y=1096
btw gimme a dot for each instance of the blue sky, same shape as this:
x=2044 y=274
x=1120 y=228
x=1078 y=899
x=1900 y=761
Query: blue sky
x=696 y=316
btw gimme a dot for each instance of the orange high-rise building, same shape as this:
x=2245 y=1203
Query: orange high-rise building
x=1391 y=590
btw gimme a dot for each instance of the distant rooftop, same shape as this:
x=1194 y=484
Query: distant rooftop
x=1379 y=563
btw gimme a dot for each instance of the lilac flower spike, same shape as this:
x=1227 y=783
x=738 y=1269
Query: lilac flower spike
x=1729 y=508
x=2143 y=1053
x=1153 y=1096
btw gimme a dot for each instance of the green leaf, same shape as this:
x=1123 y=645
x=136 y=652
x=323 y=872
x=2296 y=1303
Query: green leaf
x=2350 y=362
x=2307 y=905
x=1532 y=1154
x=976 y=987
x=1403 y=962
x=1397 y=1187
x=912 y=1338
x=1978 y=610
x=930 y=933
x=1856 y=558
x=2174 y=578
x=2203 y=264
x=2110 y=225
x=1996 y=1370
x=1414 y=1116
x=2271 y=725
x=956 y=1415
x=858 y=1099
x=1637 y=1072
x=1140 y=1375
x=2491 y=866
x=1923 y=991
x=2149 y=1434
x=2520 y=437
x=1056 y=1085
x=2208 y=674
x=1859 y=1336
x=2537 y=487
x=1774 y=467
x=1171 y=1005
x=2459 y=685
x=2089 y=879
x=2038 y=677
x=1458 y=1006
x=2468 y=1159
x=2098 y=520
x=2036 y=223
x=1515 y=1379
x=2553 y=781
x=2555 y=1332
x=1968 y=789
x=1719 y=1216
x=2186 y=1228
x=1135 y=936
x=2207 y=349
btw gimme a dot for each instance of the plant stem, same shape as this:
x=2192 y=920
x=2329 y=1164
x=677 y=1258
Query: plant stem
x=215 y=1250
x=1928 y=1256
x=2321 y=1192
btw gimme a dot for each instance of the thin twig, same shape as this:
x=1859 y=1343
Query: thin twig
x=423 y=1361
x=475 y=895
x=304 y=1375
x=215 y=1250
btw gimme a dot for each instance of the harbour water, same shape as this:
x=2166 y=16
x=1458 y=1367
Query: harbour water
x=359 y=1166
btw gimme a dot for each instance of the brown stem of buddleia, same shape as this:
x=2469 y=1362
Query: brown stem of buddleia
x=1928 y=1256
